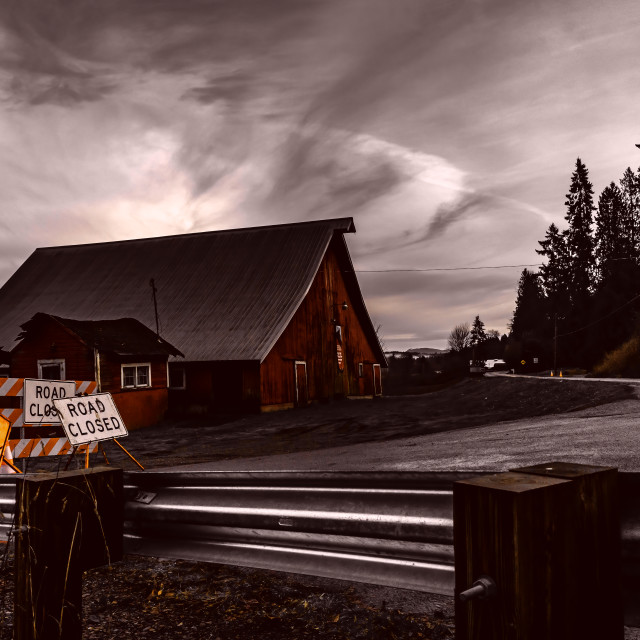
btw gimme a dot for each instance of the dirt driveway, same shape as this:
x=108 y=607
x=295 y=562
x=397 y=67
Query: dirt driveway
x=606 y=434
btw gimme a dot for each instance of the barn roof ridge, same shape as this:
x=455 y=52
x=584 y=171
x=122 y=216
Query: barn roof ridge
x=344 y=224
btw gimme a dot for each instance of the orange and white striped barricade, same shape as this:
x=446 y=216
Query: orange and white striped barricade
x=42 y=439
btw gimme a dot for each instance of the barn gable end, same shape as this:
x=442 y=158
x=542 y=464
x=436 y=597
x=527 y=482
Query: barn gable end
x=330 y=319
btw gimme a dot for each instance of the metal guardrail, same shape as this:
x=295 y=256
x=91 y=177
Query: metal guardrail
x=387 y=528
x=7 y=504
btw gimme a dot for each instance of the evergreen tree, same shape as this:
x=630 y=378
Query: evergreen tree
x=587 y=273
x=579 y=238
x=611 y=241
x=630 y=221
x=527 y=327
x=618 y=273
x=555 y=274
x=530 y=312
x=477 y=335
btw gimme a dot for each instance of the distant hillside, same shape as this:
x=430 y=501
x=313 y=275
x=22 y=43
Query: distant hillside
x=426 y=351
x=417 y=352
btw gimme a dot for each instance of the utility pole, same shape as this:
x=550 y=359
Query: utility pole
x=152 y=284
x=555 y=342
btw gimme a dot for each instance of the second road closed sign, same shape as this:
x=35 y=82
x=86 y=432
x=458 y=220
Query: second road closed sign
x=90 y=418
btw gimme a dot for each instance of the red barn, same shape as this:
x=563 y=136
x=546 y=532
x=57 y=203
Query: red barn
x=123 y=356
x=267 y=317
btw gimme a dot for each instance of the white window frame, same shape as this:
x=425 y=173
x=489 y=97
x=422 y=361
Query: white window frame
x=135 y=384
x=59 y=361
x=184 y=377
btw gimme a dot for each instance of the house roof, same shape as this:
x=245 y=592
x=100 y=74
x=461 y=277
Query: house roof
x=124 y=336
x=221 y=295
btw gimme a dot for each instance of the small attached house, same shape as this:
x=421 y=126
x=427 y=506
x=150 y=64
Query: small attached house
x=123 y=356
x=267 y=317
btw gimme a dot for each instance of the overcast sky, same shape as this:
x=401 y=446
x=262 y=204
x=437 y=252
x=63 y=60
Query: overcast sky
x=448 y=129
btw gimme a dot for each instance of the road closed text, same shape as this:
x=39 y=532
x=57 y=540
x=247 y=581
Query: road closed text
x=96 y=425
x=39 y=396
x=90 y=418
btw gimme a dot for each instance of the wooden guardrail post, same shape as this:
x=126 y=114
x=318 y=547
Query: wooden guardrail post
x=542 y=547
x=66 y=523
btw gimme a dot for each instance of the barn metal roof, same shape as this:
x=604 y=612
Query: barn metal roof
x=221 y=295
x=124 y=336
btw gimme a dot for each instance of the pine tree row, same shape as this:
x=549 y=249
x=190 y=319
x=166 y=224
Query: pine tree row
x=581 y=301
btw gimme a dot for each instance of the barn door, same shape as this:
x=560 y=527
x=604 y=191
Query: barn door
x=377 y=380
x=302 y=393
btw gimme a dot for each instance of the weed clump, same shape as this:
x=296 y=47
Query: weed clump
x=623 y=362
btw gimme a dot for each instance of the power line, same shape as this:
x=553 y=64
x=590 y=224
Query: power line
x=591 y=324
x=501 y=266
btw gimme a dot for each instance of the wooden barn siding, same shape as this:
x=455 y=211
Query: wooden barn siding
x=310 y=337
x=217 y=386
x=111 y=377
x=53 y=343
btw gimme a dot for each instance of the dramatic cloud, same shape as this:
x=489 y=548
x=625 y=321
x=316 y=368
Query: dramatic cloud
x=447 y=130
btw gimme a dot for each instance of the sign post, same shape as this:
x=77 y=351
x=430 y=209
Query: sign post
x=66 y=523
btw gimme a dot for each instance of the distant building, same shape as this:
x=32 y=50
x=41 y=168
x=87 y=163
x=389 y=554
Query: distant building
x=267 y=317
x=402 y=354
x=123 y=356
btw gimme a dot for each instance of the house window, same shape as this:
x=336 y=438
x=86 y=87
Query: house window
x=177 y=377
x=360 y=369
x=51 y=369
x=136 y=375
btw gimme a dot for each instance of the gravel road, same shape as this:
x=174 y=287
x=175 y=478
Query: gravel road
x=606 y=435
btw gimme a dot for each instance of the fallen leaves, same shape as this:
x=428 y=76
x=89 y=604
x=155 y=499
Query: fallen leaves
x=148 y=598
x=153 y=599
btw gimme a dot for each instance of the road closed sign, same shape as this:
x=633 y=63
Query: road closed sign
x=90 y=418
x=39 y=396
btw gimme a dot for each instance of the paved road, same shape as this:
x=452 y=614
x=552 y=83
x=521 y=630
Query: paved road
x=607 y=435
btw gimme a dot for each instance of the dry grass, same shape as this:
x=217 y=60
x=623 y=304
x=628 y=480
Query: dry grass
x=623 y=362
